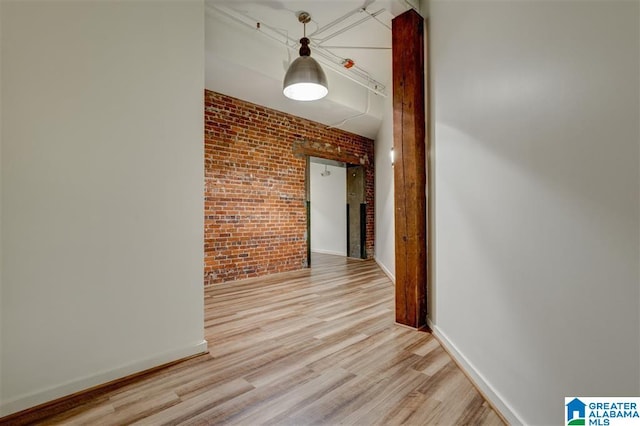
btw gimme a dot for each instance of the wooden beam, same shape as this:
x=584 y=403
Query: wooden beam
x=307 y=148
x=409 y=169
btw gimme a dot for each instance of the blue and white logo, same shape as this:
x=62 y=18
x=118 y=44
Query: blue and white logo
x=575 y=412
x=602 y=411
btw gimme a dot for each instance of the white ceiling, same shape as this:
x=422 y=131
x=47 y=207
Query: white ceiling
x=249 y=45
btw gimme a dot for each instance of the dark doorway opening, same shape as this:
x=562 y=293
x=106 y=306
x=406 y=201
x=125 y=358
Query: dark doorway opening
x=356 y=212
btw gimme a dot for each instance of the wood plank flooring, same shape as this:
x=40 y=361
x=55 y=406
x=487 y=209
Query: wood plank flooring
x=317 y=346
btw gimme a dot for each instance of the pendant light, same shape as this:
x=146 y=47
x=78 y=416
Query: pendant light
x=305 y=80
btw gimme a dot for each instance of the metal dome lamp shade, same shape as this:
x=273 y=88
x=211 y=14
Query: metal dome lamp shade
x=305 y=80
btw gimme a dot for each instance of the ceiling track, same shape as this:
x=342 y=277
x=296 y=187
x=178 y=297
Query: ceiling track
x=355 y=74
x=348 y=27
x=338 y=21
x=358 y=47
x=406 y=3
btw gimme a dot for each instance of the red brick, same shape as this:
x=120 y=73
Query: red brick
x=255 y=216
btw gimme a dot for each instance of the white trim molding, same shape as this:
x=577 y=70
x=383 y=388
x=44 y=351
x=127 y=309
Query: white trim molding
x=26 y=401
x=385 y=270
x=322 y=251
x=493 y=396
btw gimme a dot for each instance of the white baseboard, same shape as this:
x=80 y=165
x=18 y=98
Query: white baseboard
x=49 y=394
x=335 y=253
x=478 y=379
x=385 y=270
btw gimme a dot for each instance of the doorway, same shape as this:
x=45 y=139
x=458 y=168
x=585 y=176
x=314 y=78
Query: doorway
x=336 y=208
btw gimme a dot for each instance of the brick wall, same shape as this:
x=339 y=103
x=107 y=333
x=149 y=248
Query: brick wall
x=255 y=210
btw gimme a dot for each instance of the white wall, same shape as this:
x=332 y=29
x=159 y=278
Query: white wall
x=328 y=209
x=536 y=112
x=385 y=231
x=102 y=165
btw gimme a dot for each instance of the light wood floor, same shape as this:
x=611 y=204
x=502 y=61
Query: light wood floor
x=315 y=346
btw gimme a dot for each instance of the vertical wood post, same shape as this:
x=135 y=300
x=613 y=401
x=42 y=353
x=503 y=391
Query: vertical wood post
x=409 y=169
